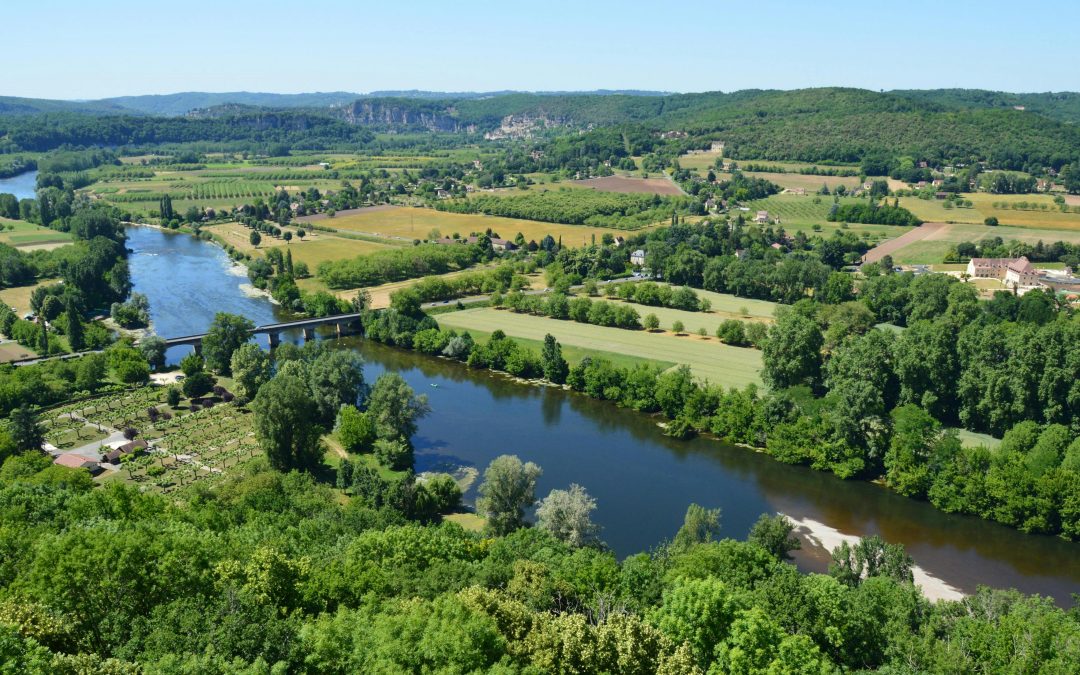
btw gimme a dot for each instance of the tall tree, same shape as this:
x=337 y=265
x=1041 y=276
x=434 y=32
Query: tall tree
x=26 y=431
x=566 y=514
x=285 y=423
x=508 y=489
x=227 y=333
x=551 y=359
x=75 y=333
x=395 y=407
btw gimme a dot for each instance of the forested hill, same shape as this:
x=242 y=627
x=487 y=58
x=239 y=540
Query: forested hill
x=1063 y=106
x=14 y=105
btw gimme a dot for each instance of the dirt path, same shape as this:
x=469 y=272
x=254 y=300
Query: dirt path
x=908 y=238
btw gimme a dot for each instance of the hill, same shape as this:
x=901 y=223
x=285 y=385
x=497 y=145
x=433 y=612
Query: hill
x=15 y=105
x=1062 y=106
x=183 y=102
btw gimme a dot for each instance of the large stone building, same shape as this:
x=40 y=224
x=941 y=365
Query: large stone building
x=1014 y=272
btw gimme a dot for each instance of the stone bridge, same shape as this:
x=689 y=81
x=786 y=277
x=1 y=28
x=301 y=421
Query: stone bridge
x=273 y=331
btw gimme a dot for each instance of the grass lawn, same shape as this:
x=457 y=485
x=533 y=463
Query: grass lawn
x=29 y=236
x=711 y=320
x=19 y=296
x=809 y=183
x=970 y=439
x=708 y=359
x=469 y=521
x=417 y=223
x=13 y=351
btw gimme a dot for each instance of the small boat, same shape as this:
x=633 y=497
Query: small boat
x=435 y=384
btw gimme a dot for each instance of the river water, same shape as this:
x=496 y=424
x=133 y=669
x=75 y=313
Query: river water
x=642 y=481
x=22 y=186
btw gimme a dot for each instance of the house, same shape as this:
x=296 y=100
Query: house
x=1014 y=272
x=923 y=165
x=717 y=146
x=710 y=204
x=775 y=246
x=129 y=448
x=637 y=258
x=941 y=195
x=619 y=241
x=442 y=194
x=762 y=218
x=73 y=461
x=937 y=182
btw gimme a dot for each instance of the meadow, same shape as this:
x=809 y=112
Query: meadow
x=933 y=248
x=416 y=223
x=19 y=296
x=800 y=213
x=28 y=236
x=708 y=358
x=313 y=249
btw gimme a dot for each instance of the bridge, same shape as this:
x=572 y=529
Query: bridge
x=273 y=331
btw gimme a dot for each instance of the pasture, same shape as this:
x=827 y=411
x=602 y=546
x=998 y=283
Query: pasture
x=707 y=358
x=313 y=249
x=801 y=213
x=1039 y=212
x=416 y=223
x=29 y=237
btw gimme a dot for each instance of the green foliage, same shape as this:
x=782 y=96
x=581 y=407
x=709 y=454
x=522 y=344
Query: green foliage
x=576 y=207
x=226 y=334
x=286 y=423
x=355 y=429
x=508 y=489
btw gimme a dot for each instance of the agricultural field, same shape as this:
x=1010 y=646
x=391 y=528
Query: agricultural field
x=29 y=237
x=1042 y=213
x=313 y=249
x=800 y=213
x=625 y=184
x=932 y=248
x=807 y=182
x=707 y=358
x=417 y=223
x=193 y=442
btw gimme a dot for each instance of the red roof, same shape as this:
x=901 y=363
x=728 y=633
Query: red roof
x=73 y=461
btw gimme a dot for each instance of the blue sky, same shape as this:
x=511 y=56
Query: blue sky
x=81 y=49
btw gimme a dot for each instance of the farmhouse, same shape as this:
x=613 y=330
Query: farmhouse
x=73 y=461
x=762 y=218
x=1014 y=272
x=637 y=258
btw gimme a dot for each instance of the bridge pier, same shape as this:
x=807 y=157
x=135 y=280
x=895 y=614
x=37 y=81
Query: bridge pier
x=337 y=327
x=309 y=334
x=198 y=347
x=275 y=339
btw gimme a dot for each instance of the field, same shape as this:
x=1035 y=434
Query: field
x=724 y=307
x=416 y=223
x=13 y=351
x=809 y=183
x=29 y=237
x=19 y=296
x=708 y=359
x=800 y=213
x=932 y=248
x=313 y=249
x=1045 y=216
x=656 y=186
x=189 y=443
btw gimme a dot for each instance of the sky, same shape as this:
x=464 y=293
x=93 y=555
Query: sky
x=75 y=49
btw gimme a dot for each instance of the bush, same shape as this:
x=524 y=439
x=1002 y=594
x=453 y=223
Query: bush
x=355 y=430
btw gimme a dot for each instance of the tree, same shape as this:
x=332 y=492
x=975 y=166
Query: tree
x=792 y=354
x=172 y=396
x=75 y=333
x=508 y=489
x=395 y=407
x=551 y=358
x=285 y=423
x=773 y=533
x=651 y=322
x=700 y=525
x=26 y=431
x=226 y=334
x=566 y=515
x=355 y=430
x=255 y=238
x=153 y=349
x=870 y=557
x=251 y=368
x=991 y=221
x=678 y=327
x=336 y=379
x=394 y=453
x=287 y=236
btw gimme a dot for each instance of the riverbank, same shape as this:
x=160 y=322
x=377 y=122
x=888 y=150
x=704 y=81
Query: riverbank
x=819 y=540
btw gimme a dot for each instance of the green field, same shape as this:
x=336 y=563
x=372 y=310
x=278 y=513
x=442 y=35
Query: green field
x=28 y=236
x=800 y=213
x=708 y=359
x=725 y=307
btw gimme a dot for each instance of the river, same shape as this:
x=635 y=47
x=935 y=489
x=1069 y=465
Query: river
x=642 y=480
x=22 y=186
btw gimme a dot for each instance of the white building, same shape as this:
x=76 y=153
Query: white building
x=637 y=258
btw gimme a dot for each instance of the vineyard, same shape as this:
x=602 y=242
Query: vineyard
x=199 y=439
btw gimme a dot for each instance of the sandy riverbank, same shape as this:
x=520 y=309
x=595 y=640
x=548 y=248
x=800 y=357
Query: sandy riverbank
x=820 y=536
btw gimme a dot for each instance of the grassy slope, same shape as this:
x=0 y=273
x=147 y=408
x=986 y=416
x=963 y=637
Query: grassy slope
x=721 y=364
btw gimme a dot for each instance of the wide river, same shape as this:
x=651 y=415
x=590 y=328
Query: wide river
x=642 y=480
x=22 y=186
